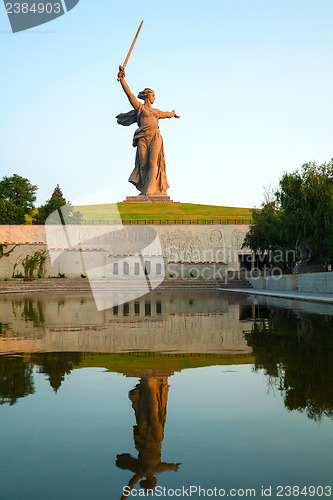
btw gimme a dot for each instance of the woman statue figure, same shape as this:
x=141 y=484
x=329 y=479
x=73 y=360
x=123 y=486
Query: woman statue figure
x=149 y=175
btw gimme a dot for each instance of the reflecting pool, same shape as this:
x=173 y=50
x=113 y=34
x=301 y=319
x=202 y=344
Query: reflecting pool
x=165 y=395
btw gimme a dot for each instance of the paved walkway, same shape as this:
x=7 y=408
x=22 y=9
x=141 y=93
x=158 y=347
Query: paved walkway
x=313 y=297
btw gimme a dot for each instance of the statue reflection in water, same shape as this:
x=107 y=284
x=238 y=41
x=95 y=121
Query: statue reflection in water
x=149 y=401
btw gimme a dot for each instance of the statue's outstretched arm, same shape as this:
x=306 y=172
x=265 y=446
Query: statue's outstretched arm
x=131 y=97
x=165 y=466
x=168 y=114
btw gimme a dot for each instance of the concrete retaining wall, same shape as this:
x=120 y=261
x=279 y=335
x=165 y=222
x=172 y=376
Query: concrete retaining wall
x=309 y=282
x=316 y=282
x=216 y=247
x=13 y=255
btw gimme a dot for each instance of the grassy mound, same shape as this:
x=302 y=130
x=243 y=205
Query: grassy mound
x=164 y=212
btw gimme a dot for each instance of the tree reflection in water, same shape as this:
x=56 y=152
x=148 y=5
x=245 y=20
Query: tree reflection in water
x=16 y=373
x=301 y=365
x=56 y=365
x=15 y=379
x=149 y=401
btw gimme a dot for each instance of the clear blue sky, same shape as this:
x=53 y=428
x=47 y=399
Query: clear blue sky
x=252 y=81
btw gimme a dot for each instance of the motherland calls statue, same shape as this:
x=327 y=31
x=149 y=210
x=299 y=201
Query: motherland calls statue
x=149 y=401
x=149 y=175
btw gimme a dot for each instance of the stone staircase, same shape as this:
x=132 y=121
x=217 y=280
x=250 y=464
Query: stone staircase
x=202 y=284
x=82 y=284
x=55 y=284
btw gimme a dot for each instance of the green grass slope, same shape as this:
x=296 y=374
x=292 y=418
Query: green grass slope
x=163 y=212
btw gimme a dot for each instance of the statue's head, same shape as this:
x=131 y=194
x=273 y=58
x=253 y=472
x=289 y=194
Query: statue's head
x=147 y=94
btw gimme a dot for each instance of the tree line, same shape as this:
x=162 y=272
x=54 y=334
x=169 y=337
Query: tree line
x=17 y=204
x=294 y=225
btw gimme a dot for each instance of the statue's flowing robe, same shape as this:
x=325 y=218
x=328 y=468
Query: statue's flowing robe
x=140 y=176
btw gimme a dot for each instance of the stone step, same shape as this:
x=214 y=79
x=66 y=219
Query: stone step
x=149 y=199
x=84 y=284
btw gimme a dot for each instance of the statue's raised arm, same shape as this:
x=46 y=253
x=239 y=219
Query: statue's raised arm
x=131 y=97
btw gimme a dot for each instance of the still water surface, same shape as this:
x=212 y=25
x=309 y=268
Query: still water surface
x=169 y=391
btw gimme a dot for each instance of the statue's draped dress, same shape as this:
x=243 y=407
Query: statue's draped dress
x=149 y=175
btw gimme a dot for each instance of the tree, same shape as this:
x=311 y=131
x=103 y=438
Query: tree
x=298 y=224
x=51 y=212
x=267 y=238
x=57 y=195
x=17 y=197
x=19 y=190
x=10 y=213
x=306 y=200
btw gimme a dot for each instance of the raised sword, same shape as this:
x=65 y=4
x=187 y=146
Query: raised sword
x=130 y=50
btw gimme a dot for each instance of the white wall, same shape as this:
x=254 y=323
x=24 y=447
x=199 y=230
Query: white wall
x=216 y=244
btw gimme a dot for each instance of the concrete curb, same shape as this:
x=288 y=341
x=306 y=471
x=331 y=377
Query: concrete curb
x=312 y=297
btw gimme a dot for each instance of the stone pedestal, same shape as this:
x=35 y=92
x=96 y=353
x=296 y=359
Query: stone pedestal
x=149 y=199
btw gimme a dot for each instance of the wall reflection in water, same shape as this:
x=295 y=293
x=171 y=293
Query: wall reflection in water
x=168 y=322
